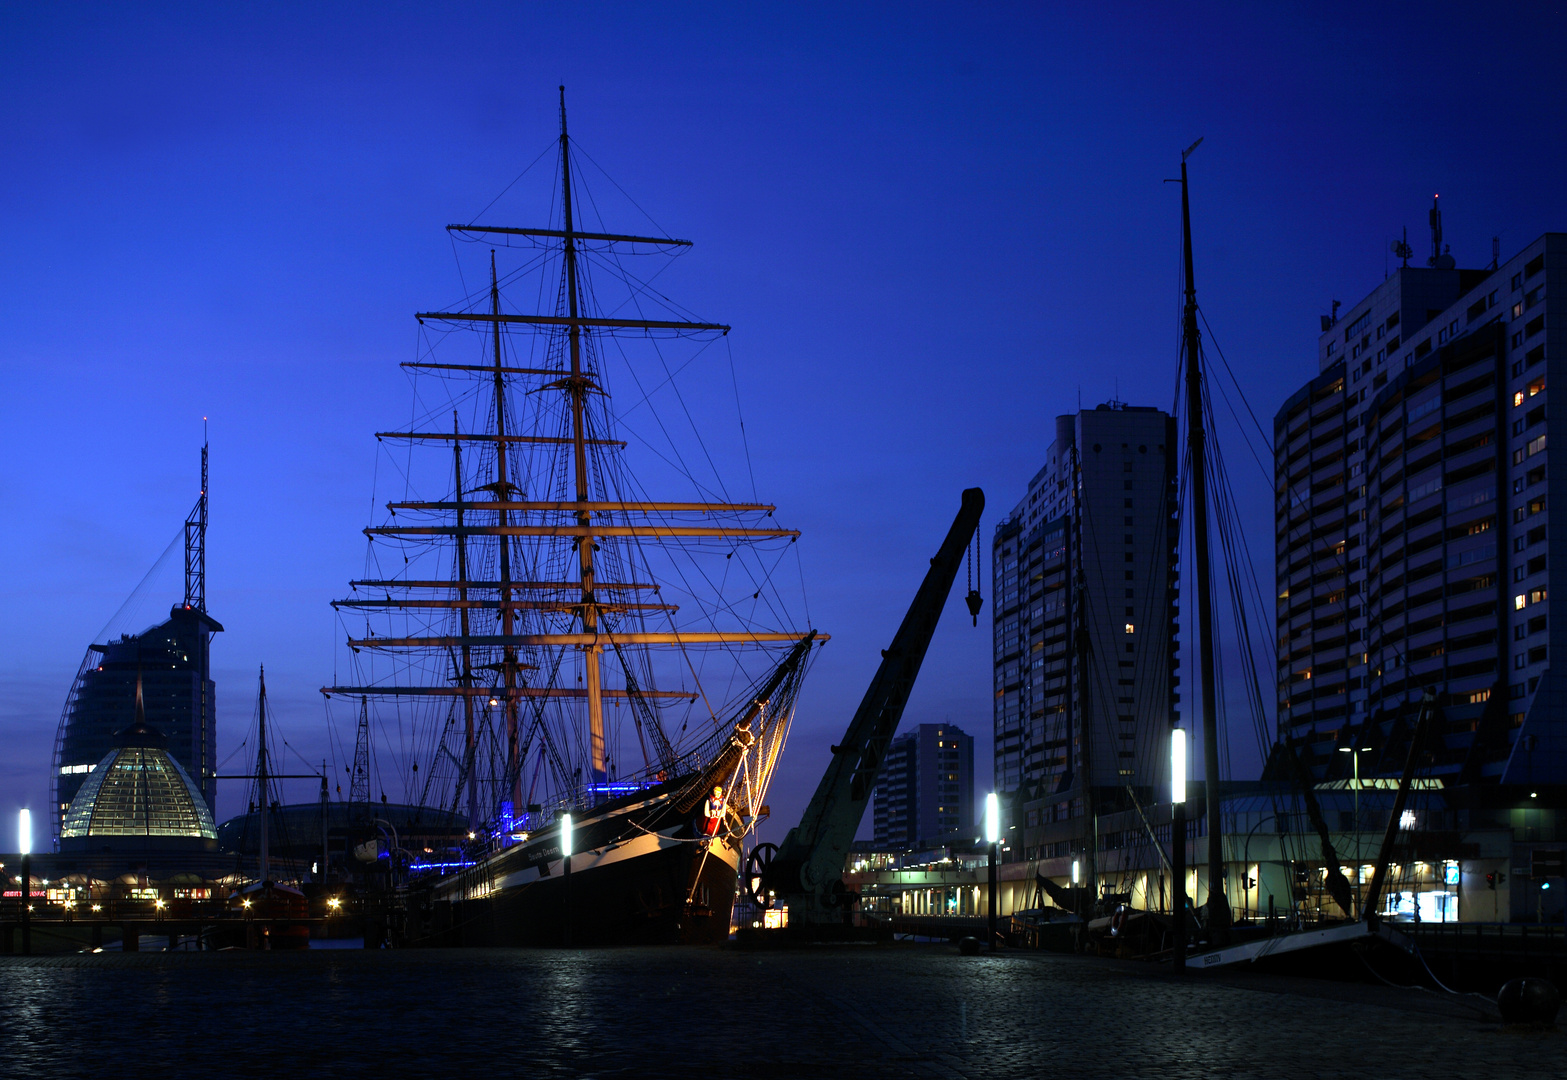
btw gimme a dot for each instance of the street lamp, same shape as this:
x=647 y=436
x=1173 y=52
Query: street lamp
x=1178 y=843
x=1246 y=864
x=992 y=843
x=24 y=843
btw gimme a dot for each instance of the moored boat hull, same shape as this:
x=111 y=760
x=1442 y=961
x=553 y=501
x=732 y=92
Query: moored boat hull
x=650 y=888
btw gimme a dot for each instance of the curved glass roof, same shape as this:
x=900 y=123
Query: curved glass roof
x=138 y=791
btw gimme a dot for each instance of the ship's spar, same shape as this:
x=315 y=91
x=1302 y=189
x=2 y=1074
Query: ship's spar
x=503 y=511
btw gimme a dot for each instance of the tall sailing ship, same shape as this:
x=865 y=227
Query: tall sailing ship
x=602 y=679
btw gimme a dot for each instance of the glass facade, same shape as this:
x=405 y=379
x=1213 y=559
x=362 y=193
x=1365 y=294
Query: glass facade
x=172 y=661
x=138 y=791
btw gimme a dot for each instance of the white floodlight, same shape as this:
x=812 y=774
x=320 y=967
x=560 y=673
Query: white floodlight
x=24 y=831
x=1177 y=765
x=565 y=835
x=992 y=818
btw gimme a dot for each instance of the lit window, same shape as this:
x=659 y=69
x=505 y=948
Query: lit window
x=1517 y=399
x=1518 y=602
x=1130 y=628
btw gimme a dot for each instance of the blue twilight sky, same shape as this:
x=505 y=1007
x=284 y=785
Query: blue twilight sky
x=934 y=227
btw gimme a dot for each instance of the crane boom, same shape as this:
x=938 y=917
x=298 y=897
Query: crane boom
x=810 y=860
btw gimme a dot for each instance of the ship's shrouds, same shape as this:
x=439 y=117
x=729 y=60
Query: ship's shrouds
x=547 y=632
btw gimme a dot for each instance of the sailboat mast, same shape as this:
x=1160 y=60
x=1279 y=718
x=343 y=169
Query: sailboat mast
x=465 y=676
x=578 y=387
x=503 y=496
x=261 y=770
x=1196 y=441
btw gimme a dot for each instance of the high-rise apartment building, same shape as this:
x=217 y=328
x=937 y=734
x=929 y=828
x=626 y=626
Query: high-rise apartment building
x=1414 y=526
x=925 y=794
x=1083 y=617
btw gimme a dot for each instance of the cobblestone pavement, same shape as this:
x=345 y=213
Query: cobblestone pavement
x=861 y=1012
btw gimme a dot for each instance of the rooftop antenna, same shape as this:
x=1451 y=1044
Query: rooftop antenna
x=1496 y=252
x=1402 y=249
x=1440 y=258
x=1328 y=322
x=196 y=539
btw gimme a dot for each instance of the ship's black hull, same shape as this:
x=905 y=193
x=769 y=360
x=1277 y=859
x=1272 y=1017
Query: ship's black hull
x=640 y=900
x=642 y=873
x=650 y=867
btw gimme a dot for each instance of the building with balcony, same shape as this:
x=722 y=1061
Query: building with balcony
x=1084 y=582
x=1414 y=540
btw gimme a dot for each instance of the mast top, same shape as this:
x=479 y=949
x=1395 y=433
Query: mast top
x=563 y=125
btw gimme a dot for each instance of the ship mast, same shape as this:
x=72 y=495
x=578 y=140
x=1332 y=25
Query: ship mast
x=1196 y=441
x=503 y=488
x=577 y=387
x=465 y=675
x=576 y=519
x=261 y=769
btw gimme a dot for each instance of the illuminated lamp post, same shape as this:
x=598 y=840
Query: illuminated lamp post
x=1178 y=843
x=565 y=858
x=992 y=846
x=24 y=842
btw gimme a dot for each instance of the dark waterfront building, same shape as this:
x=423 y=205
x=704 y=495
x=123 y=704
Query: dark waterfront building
x=172 y=661
x=1415 y=527
x=1416 y=549
x=925 y=795
x=1091 y=546
x=1416 y=552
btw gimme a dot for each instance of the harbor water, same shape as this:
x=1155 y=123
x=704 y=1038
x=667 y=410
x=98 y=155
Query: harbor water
x=900 y=1010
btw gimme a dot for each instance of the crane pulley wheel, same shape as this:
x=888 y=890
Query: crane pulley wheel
x=756 y=865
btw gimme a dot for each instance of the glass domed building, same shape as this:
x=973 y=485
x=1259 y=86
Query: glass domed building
x=138 y=798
